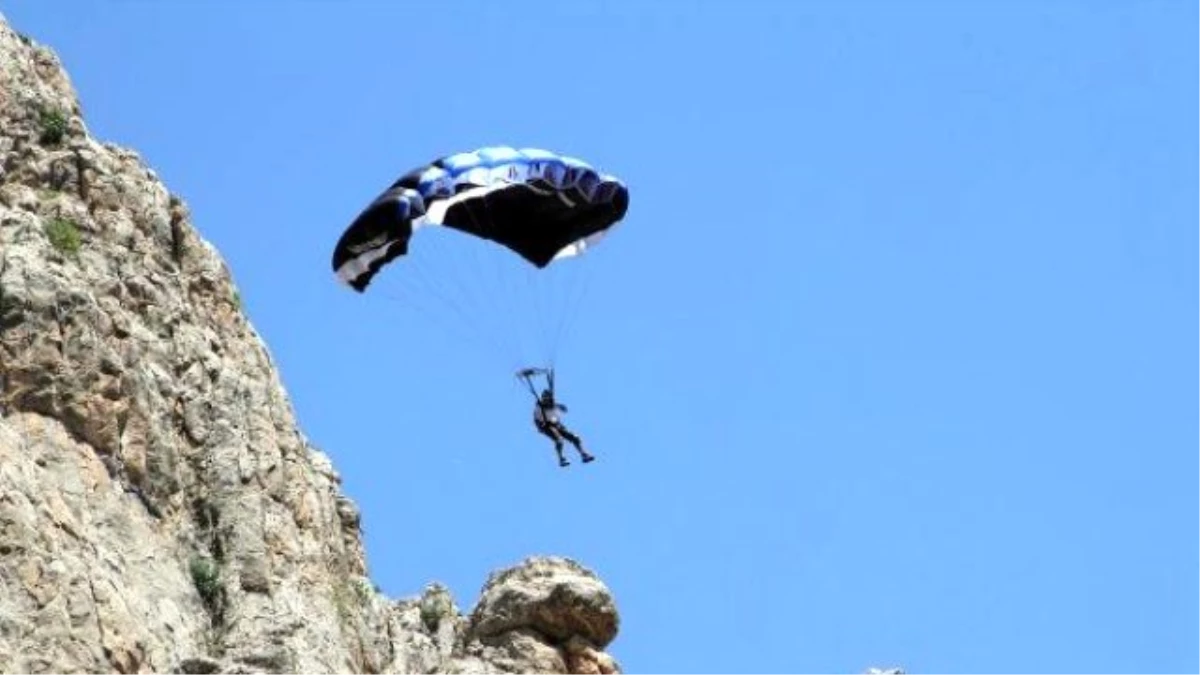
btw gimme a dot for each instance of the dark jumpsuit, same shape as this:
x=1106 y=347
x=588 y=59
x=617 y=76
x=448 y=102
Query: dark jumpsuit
x=546 y=419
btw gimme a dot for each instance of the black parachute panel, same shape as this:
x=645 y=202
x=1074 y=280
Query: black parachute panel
x=538 y=204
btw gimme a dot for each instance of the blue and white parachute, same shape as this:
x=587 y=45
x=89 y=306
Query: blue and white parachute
x=541 y=205
x=478 y=237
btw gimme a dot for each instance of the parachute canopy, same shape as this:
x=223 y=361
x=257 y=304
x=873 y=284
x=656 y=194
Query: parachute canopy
x=541 y=205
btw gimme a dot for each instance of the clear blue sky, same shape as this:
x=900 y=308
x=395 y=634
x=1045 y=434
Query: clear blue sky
x=893 y=361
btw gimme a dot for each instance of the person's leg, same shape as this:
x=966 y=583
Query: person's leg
x=550 y=432
x=566 y=433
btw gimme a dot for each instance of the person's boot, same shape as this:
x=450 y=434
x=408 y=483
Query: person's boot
x=562 y=461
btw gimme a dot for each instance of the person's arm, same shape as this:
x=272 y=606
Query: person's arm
x=525 y=375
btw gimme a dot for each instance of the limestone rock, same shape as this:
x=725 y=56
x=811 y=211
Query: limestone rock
x=555 y=597
x=546 y=615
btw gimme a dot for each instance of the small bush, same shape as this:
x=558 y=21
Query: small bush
x=54 y=127
x=206 y=577
x=362 y=589
x=436 y=604
x=64 y=235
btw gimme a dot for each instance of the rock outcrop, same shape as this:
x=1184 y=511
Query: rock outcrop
x=160 y=510
x=549 y=614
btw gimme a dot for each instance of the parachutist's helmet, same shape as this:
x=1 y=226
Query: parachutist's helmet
x=546 y=396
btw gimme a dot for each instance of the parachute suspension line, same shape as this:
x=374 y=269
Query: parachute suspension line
x=576 y=293
x=542 y=289
x=562 y=304
x=421 y=285
x=499 y=300
x=451 y=328
x=533 y=290
x=550 y=297
x=554 y=296
x=470 y=287
x=442 y=269
x=517 y=307
x=434 y=278
x=474 y=309
x=489 y=300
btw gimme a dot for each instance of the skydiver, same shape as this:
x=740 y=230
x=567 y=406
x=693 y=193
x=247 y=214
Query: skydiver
x=547 y=419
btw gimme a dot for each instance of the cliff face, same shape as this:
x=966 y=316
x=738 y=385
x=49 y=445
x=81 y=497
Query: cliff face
x=159 y=508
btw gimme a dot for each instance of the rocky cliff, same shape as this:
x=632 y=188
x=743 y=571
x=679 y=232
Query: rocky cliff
x=160 y=510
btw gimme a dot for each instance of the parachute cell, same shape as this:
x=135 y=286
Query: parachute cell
x=538 y=204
